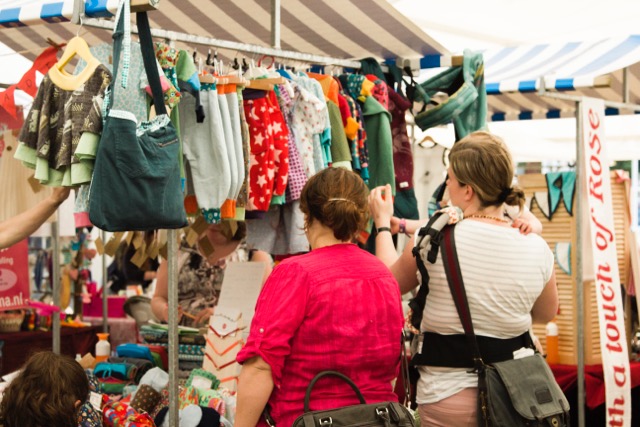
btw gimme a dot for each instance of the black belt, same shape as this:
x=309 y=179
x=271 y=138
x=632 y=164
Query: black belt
x=452 y=351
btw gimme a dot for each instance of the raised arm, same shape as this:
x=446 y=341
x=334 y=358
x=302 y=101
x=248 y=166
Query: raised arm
x=24 y=224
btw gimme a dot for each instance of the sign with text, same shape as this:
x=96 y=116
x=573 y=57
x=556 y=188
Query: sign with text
x=599 y=208
x=14 y=276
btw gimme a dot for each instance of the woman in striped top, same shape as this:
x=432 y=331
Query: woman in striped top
x=508 y=276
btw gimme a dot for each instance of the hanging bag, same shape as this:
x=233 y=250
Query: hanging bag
x=511 y=393
x=136 y=178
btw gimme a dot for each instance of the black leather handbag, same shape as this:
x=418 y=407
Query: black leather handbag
x=383 y=414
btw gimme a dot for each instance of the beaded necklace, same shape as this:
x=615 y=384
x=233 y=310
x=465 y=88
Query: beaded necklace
x=494 y=218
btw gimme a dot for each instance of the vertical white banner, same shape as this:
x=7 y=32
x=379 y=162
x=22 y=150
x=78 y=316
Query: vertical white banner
x=613 y=340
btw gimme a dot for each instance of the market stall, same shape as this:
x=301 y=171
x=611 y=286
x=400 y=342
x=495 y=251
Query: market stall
x=299 y=35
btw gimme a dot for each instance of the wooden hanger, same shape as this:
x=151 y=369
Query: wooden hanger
x=261 y=84
x=77 y=46
x=208 y=78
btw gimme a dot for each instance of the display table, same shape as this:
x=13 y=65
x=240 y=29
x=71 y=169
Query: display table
x=18 y=346
x=121 y=329
x=567 y=378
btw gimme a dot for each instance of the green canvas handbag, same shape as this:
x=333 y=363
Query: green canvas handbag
x=136 y=180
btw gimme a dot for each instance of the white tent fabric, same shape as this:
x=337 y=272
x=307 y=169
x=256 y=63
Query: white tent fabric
x=342 y=29
x=513 y=75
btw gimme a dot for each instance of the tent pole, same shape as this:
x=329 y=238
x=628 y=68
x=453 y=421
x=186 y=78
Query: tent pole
x=580 y=208
x=618 y=105
x=172 y=261
x=55 y=271
x=275 y=24
x=105 y=294
x=236 y=46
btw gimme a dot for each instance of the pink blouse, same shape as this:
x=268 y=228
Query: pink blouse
x=335 y=308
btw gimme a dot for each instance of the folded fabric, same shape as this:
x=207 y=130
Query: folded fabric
x=156 y=378
x=145 y=399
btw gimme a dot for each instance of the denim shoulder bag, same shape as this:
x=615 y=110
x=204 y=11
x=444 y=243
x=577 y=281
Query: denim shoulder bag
x=136 y=179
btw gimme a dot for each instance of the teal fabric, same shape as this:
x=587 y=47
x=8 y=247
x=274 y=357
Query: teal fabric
x=136 y=180
x=405 y=205
x=467 y=102
x=377 y=124
x=372 y=66
x=561 y=185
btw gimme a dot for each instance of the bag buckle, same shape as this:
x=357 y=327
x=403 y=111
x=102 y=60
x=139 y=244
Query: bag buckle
x=478 y=366
x=328 y=421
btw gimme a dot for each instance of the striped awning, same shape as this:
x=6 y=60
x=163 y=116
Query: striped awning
x=514 y=75
x=345 y=29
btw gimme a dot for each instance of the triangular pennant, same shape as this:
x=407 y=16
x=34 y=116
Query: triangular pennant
x=542 y=200
x=554 y=189
x=568 y=190
x=563 y=256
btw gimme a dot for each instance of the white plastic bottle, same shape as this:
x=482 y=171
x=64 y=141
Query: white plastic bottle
x=103 y=347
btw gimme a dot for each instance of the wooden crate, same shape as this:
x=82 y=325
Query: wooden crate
x=562 y=228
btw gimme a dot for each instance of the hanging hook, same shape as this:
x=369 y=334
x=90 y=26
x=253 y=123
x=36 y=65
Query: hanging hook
x=195 y=55
x=80 y=27
x=209 y=57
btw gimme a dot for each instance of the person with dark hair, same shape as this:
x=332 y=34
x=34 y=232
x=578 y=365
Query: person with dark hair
x=48 y=391
x=508 y=275
x=335 y=308
x=200 y=276
x=122 y=272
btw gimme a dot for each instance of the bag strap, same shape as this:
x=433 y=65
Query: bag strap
x=307 y=396
x=150 y=65
x=404 y=367
x=434 y=238
x=454 y=278
x=122 y=39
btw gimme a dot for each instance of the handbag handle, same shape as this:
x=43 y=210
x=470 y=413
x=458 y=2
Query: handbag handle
x=122 y=35
x=307 y=396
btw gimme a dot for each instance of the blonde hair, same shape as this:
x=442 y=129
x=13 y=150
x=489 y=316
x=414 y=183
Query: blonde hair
x=337 y=198
x=483 y=161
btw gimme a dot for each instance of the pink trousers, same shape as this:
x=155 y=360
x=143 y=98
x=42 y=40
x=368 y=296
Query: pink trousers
x=459 y=410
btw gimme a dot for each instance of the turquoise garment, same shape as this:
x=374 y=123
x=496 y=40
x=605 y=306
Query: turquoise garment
x=467 y=102
x=377 y=124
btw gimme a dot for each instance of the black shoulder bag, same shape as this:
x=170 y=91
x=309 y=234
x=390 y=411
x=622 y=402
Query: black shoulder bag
x=511 y=393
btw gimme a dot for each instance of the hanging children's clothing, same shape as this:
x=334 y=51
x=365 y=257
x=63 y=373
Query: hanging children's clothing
x=280 y=231
x=297 y=177
x=55 y=124
x=205 y=149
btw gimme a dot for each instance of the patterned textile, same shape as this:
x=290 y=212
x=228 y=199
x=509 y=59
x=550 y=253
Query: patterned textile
x=58 y=118
x=199 y=282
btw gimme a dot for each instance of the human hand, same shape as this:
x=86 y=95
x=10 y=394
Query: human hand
x=202 y=317
x=381 y=206
x=523 y=225
x=60 y=194
x=395 y=225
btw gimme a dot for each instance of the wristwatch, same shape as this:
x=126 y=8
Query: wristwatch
x=403 y=226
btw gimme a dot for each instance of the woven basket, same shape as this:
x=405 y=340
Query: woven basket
x=11 y=322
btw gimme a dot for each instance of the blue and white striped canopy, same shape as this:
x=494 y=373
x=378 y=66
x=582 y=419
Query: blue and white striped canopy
x=513 y=76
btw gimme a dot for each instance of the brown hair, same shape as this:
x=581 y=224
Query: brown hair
x=337 y=198
x=483 y=161
x=45 y=393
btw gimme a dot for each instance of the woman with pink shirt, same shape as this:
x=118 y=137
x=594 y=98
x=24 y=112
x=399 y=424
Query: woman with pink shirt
x=335 y=308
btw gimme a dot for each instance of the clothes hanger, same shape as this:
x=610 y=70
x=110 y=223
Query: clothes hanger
x=77 y=46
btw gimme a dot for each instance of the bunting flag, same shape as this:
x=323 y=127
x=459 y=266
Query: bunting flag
x=561 y=185
x=542 y=200
x=563 y=256
x=27 y=83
